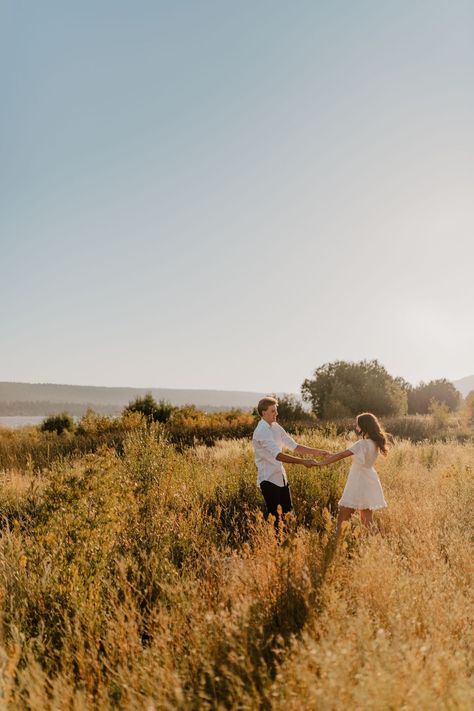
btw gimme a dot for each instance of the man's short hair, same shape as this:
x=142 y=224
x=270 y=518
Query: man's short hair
x=265 y=403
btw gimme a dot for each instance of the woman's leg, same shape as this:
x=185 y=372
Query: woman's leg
x=344 y=515
x=367 y=518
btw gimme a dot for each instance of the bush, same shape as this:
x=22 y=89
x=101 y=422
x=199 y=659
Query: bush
x=440 y=425
x=468 y=409
x=154 y=411
x=189 y=426
x=440 y=413
x=58 y=423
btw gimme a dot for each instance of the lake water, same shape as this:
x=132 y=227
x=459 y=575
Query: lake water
x=21 y=420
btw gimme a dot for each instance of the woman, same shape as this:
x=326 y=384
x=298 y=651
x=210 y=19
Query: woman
x=363 y=491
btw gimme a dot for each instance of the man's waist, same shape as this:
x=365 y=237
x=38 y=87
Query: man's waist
x=275 y=466
x=276 y=474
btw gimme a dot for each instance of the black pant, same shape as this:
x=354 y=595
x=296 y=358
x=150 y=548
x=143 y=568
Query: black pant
x=276 y=496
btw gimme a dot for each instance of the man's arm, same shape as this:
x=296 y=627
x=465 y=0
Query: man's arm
x=301 y=449
x=289 y=459
x=290 y=443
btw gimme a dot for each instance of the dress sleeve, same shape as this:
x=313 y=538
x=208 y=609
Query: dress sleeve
x=358 y=447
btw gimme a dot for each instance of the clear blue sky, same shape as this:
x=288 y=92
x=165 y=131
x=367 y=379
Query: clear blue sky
x=230 y=194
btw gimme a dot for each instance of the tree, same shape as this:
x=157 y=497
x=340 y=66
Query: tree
x=442 y=391
x=292 y=411
x=154 y=411
x=344 y=389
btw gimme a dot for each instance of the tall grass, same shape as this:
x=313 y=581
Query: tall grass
x=32 y=448
x=147 y=578
x=416 y=428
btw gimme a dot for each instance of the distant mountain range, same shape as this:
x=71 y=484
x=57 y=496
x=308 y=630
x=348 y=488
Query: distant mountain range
x=48 y=398
x=465 y=385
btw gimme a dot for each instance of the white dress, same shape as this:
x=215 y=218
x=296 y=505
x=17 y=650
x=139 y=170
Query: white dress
x=363 y=489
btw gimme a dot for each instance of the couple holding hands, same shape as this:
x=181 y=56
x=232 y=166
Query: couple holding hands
x=363 y=491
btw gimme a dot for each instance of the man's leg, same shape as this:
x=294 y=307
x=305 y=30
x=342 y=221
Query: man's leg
x=276 y=496
x=285 y=500
x=271 y=495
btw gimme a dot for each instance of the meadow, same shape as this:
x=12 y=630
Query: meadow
x=138 y=573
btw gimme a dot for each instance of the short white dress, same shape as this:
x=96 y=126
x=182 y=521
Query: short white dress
x=363 y=489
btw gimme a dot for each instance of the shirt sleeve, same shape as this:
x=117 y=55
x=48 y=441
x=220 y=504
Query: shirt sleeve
x=266 y=441
x=288 y=441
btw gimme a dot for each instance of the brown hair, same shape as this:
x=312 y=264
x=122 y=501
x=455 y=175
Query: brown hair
x=371 y=428
x=265 y=403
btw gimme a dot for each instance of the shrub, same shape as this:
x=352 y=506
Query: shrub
x=154 y=411
x=439 y=412
x=468 y=409
x=58 y=423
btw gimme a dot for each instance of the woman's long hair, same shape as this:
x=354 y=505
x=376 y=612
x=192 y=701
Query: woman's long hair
x=371 y=428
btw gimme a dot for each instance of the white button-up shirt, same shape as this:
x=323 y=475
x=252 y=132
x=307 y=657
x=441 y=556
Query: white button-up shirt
x=268 y=441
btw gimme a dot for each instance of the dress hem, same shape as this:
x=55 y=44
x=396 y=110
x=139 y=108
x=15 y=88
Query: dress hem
x=361 y=506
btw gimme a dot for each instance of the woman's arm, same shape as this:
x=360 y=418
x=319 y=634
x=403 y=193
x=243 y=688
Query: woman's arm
x=335 y=457
x=301 y=449
x=289 y=459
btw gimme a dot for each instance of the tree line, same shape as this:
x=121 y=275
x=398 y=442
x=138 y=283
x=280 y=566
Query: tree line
x=343 y=389
x=336 y=391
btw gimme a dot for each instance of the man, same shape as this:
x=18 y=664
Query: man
x=269 y=438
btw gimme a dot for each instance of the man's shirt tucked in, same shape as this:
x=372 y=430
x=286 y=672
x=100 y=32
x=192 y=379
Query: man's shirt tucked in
x=268 y=441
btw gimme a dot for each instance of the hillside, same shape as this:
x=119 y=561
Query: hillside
x=44 y=398
x=465 y=385
x=48 y=398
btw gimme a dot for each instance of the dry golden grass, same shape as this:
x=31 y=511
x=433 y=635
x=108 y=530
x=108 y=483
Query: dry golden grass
x=150 y=580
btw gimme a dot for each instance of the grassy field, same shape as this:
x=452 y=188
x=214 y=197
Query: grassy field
x=144 y=577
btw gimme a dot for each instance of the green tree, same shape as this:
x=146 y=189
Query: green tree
x=154 y=411
x=343 y=389
x=292 y=411
x=441 y=390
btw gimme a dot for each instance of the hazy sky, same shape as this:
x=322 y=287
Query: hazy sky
x=229 y=194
